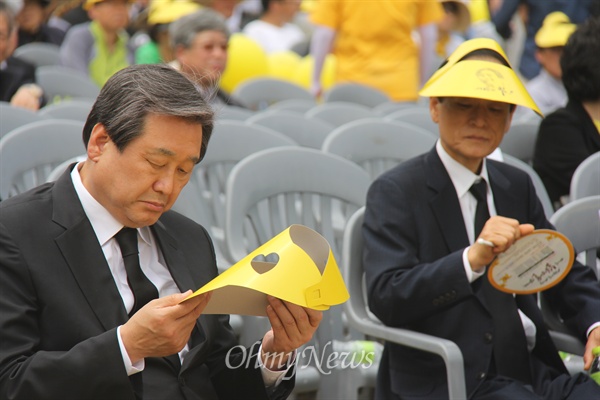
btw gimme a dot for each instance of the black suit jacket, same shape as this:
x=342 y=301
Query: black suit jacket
x=414 y=237
x=60 y=307
x=565 y=138
x=16 y=74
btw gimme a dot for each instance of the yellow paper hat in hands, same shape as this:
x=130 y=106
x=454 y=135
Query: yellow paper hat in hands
x=305 y=274
x=555 y=31
x=478 y=79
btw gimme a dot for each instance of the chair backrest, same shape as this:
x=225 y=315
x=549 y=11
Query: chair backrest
x=296 y=105
x=416 y=115
x=540 y=189
x=519 y=141
x=340 y=112
x=579 y=220
x=586 y=178
x=61 y=82
x=12 y=117
x=62 y=167
x=233 y=113
x=275 y=188
x=356 y=93
x=260 y=93
x=305 y=131
x=39 y=53
x=203 y=198
x=390 y=107
x=378 y=145
x=75 y=109
x=29 y=153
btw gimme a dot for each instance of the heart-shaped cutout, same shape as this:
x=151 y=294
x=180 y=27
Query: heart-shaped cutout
x=263 y=264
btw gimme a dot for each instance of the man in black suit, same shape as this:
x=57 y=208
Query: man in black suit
x=72 y=321
x=425 y=266
x=17 y=77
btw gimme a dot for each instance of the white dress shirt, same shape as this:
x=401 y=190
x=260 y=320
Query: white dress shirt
x=152 y=264
x=462 y=179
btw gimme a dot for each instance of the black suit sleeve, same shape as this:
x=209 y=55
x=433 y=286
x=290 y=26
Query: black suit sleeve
x=26 y=371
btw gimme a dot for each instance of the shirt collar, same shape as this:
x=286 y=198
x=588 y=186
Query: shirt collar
x=103 y=223
x=462 y=178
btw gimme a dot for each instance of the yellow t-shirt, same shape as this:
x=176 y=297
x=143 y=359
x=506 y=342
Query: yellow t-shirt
x=373 y=43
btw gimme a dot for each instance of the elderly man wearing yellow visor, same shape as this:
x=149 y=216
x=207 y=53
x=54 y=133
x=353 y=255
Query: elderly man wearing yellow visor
x=432 y=226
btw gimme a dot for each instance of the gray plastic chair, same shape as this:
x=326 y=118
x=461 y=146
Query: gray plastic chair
x=540 y=189
x=519 y=141
x=203 y=198
x=61 y=83
x=273 y=189
x=340 y=112
x=304 y=131
x=232 y=113
x=62 y=167
x=579 y=220
x=28 y=154
x=39 y=53
x=296 y=105
x=12 y=117
x=75 y=109
x=378 y=145
x=390 y=107
x=586 y=178
x=260 y=93
x=361 y=319
x=356 y=93
x=416 y=115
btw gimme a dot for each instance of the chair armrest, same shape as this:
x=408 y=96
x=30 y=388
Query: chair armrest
x=446 y=349
x=567 y=343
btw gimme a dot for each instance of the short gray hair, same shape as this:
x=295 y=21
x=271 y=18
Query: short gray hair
x=133 y=93
x=183 y=31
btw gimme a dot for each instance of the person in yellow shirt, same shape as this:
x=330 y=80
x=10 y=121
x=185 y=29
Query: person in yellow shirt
x=373 y=43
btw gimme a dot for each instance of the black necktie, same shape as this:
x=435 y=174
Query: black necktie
x=143 y=290
x=510 y=345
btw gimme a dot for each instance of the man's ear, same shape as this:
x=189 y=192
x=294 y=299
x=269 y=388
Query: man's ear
x=434 y=103
x=98 y=140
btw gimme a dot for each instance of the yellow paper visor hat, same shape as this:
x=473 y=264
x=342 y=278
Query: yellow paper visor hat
x=481 y=80
x=555 y=31
x=306 y=274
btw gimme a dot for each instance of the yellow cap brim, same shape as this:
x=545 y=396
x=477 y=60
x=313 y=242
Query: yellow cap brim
x=465 y=48
x=165 y=13
x=555 y=36
x=481 y=80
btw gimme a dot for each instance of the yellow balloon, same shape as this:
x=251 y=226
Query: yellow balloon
x=283 y=64
x=246 y=59
x=303 y=73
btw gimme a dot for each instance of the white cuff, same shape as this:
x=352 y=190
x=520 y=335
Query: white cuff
x=472 y=276
x=129 y=367
x=273 y=378
x=591 y=328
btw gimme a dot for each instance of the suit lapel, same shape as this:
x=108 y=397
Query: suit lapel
x=504 y=198
x=83 y=254
x=444 y=203
x=173 y=258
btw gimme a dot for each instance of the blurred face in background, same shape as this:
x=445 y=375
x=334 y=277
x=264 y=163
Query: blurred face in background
x=289 y=8
x=112 y=15
x=31 y=17
x=549 y=59
x=206 y=58
x=8 y=39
